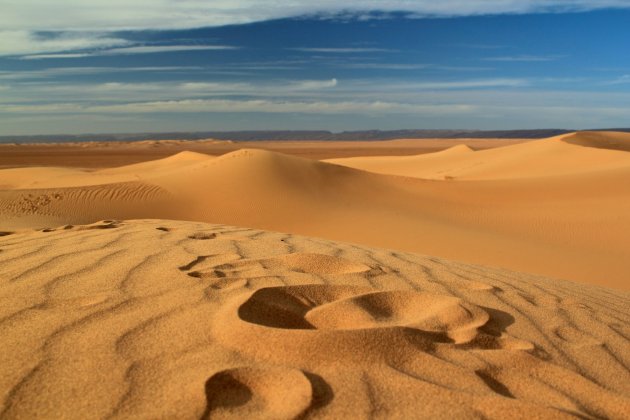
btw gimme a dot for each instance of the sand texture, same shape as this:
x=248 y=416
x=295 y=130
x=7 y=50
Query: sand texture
x=557 y=207
x=108 y=154
x=171 y=319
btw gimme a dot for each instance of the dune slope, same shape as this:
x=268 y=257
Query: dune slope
x=573 y=226
x=569 y=154
x=171 y=319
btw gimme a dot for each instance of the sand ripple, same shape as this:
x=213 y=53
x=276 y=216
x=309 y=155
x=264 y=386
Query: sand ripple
x=166 y=319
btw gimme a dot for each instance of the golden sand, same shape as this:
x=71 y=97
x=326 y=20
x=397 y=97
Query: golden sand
x=170 y=319
x=547 y=207
x=118 y=300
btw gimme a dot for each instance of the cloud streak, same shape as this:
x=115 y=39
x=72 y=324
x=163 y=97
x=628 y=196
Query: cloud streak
x=525 y=58
x=145 y=49
x=23 y=42
x=112 y=15
x=231 y=106
x=91 y=24
x=342 y=50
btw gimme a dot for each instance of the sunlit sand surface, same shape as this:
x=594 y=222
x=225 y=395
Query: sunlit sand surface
x=490 y=283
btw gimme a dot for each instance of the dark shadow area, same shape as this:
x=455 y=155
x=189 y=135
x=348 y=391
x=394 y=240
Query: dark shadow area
x=202 y=236
x=272 y=307
x=193 y=263
x=322 y=393
x=223 y=390
x=493 y=384
x=498 y=322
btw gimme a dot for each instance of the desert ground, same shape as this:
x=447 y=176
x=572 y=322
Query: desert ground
x=393 y=279
x=109 y=154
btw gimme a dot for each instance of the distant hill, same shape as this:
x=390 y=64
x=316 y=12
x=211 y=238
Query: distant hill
x=295 y=135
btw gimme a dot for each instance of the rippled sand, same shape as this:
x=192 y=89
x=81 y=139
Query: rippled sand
x=172 y=319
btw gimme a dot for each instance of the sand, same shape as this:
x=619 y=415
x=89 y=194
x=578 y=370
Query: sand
x=548 y=207
x=108 y=154
x=256 y=284
x=172 y=319
x=546 y=158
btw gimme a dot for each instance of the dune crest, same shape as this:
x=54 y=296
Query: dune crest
x=574 y=154
x=106 y=320
x=549 y=207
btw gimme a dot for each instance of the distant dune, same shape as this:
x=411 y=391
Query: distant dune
x=540 y=159
x=172 y=319
x=550 y=207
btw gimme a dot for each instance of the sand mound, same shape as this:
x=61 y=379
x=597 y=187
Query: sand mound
x=105 y=320
x=572 y=223
x=557 y=156
x=600 y=140
x=344 y=308
x=254 y=392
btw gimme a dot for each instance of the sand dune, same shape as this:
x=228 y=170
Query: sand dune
x=556 y=156
x=571 y=223
x=171 y=319
x=108 y=154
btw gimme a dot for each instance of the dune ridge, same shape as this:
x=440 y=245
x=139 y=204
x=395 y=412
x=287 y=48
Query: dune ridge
x=161 y=318
x=565 y=155
x=547 y=207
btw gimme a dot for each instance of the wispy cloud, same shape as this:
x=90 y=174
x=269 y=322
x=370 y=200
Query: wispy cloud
x=80 y=24
x=22 y=42
x=342 y=50
x=230 y=105
x=471 y=84
x=112 y=15
x=314 y=84
x=131 y=50
x=525 y=58
x=46 y=56
x=76 y=71
x=621 y=80
x=27 y=92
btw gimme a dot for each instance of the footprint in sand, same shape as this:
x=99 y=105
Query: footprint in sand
x=342 y=308
x=229 y=270
x=252 y=392
x=349 y=321
x=306 y=263
x=202 y=236
x=105 y=224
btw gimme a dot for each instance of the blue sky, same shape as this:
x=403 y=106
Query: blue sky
x=237 y=65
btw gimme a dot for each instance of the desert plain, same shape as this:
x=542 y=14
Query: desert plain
x=392 y=279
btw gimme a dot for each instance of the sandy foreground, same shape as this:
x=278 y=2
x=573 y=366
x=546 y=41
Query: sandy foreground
x=171 y=319
x=163 y=289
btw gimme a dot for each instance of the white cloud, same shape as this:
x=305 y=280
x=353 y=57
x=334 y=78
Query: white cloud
x=146 y=49
x=108 y=15
x=163 y=48
x=47 y=56
x=20 y=42
x=116 y=92
x=82 y=23
x=525 y=58
x=467 y=84
x=341 y=50
x=74 y=71
x=313 y=84
x=254 y=105
x=332 y=89
x=621 y=80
